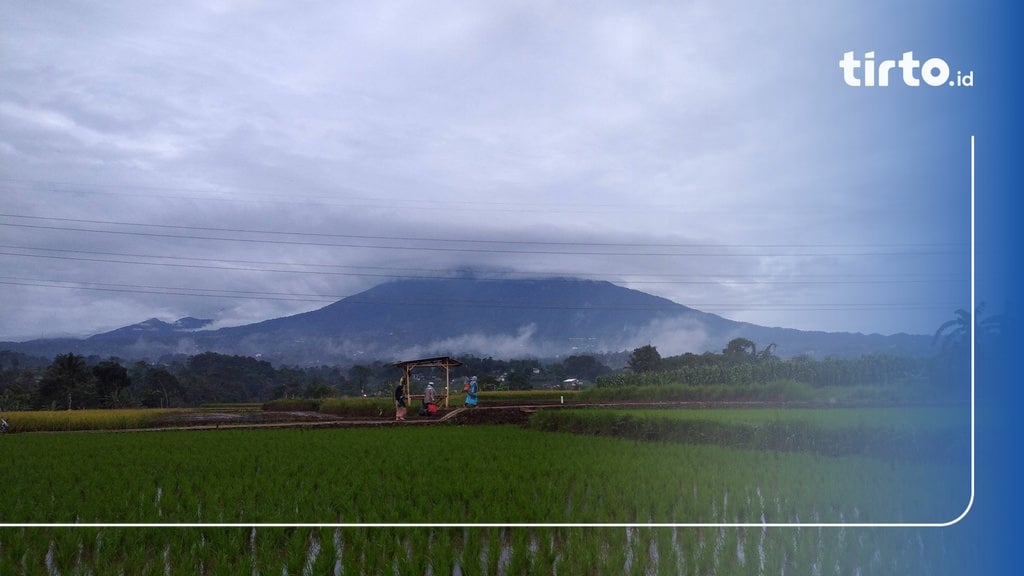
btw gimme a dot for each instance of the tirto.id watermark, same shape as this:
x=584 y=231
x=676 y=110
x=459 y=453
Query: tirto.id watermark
x=933 y=71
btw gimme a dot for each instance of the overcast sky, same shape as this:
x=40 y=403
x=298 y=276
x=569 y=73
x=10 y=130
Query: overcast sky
x=244 y=160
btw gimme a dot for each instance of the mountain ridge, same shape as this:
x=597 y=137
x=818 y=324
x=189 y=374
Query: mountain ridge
x=544 y=318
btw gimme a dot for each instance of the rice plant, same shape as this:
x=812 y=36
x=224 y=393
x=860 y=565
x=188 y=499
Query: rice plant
x=509 y=551
x=73 y=420
x=451 y=474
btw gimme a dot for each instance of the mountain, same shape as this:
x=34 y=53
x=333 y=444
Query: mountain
x=497 y=318
x=152 y=327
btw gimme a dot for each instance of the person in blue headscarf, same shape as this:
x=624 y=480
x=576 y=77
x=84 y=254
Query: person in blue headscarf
x=471 y=393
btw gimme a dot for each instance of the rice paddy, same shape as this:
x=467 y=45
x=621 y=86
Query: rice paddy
x=469 y=551
x=490 y=499
x=451 y=474
x=77 y=420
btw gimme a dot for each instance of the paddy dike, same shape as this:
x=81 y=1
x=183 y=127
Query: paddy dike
x=498 y=413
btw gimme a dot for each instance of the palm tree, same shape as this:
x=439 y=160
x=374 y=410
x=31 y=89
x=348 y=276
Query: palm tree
x=956 y=333
x=68 y=375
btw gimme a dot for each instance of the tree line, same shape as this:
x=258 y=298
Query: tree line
x=742 y=363
x=73 y=381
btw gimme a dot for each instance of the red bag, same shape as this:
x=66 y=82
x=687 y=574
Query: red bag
x=431 y=408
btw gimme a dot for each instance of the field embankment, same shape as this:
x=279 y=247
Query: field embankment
x=895 y=433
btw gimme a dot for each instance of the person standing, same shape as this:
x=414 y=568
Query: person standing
x=400 y=401
x=471 y=393
x=428 y=399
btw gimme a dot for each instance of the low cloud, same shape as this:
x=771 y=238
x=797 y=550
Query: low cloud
x=671 y=336
x=519 y=345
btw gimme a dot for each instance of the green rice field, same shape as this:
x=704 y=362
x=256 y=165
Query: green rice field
x=474 y=551
x=896 y=433
x=77 y=420
x=490 y=500
x=453 y=474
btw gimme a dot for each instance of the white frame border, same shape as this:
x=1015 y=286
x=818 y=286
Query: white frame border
x=967 y=509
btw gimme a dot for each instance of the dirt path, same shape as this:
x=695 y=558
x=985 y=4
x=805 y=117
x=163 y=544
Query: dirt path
x=507 y=413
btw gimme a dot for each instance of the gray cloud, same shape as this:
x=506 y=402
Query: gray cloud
x=702 y=151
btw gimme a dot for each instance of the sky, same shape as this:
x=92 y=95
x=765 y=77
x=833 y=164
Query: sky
x=241 y=161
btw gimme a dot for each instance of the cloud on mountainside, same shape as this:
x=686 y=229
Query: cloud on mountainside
x=519 y=345
x=671 y=337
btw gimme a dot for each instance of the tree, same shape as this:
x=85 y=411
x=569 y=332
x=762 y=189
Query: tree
x=645 y=359
x=319 y=389
x=488 y=382
x=68 y=383
x=18 y=390
x=768 y=354
x=359 y=375
x=956 y=333
x=740 y=350
x=519 y=381
x=161 y=389
x=584 y=367
x=111 y=380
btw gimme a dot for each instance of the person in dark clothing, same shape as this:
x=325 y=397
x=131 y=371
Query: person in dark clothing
x=400 y=401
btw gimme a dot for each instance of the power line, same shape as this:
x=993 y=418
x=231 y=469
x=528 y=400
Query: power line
x=355 y=198
x=168 y=290
x=324 y=199
x=327 y=298
x=399 y=274
x=421 y=248
x=457 y=240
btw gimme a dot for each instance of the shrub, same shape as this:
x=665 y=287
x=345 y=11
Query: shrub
x=359 y=407
x=292 y=405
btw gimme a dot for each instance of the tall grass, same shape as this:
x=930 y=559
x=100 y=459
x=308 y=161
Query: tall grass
x=523 y=396
x=74 y=420
x=360 y=407
x=662 y=387
x=778 y=391
x=874 y=370
x=292 y=405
